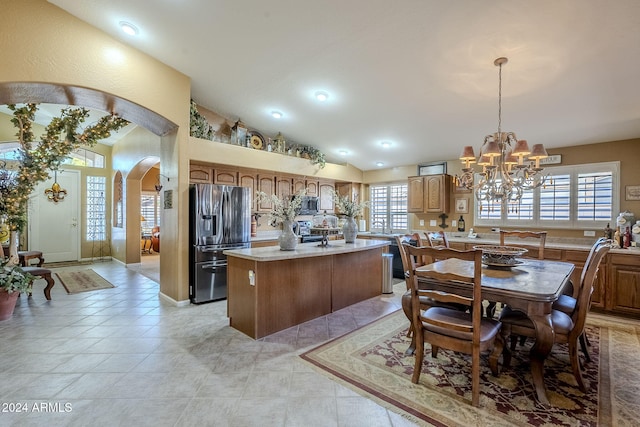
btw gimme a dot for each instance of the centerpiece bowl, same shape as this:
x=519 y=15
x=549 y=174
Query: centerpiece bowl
x=500 y=256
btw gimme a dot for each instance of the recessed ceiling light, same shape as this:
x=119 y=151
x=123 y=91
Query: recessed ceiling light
x=276 y=114
x=343 y=152
x=379 y=164
x=385 y=144
x=322 y=95
x=128 y=28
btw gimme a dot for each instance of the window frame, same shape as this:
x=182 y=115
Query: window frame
x=389 y=213
x=573 y=222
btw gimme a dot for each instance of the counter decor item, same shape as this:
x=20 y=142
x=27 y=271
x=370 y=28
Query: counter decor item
x=351 y=209
x=500 y=256
x=284 y=212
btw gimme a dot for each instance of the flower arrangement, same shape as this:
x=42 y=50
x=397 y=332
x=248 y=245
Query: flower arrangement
x=347 y=206
x=13 y=278
x=282 y=210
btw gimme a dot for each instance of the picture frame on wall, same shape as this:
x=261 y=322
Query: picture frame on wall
x=462 y=205
x=632 y=192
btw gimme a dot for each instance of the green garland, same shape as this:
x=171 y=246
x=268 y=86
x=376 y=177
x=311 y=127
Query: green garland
x=61 y=137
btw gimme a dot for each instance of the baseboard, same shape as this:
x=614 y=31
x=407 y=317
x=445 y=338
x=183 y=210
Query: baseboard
x=173 y=302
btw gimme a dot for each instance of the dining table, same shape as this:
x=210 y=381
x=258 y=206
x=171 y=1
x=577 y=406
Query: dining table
x=530 y=286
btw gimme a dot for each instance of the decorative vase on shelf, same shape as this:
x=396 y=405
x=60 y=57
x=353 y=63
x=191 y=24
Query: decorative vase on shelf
x=350 y=230
x=288 y=240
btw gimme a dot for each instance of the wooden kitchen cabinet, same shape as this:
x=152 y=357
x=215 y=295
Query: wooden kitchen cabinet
x=298 y=184
x=225 y=176
x=415 y=195
x=428 y=194
x=313 y=187
x=200 y=174
x=283 y=186
x=249 y=179
x=623 y=287
x=326 y=196
x=266 y=184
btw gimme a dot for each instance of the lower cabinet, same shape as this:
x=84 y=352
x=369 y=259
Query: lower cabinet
x=623 y=284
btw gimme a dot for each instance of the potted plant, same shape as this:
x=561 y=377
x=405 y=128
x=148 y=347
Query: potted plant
x=351 y=209
x=284 y=212
x=13 y=281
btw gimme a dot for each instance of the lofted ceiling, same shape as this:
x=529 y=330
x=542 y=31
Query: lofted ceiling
x=418 y=74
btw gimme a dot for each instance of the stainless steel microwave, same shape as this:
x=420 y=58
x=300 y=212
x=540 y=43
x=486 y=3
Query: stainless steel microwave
x=309 y=205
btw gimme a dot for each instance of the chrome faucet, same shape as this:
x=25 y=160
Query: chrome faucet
x=383 y=223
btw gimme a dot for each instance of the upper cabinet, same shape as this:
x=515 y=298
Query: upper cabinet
x=283 y=186
x=249 y=179
x=225 y=176
x=200 y=174
x=326 y=196
x=429 y=193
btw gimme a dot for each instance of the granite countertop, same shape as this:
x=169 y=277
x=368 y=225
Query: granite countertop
x=306 y=250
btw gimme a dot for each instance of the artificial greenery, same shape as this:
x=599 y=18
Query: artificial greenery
x=199 y=127
x=348 y=207
x=282 y=209
x=13 y=278
x=61 y=136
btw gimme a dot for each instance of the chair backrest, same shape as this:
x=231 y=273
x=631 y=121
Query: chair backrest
x=468 y=274
x=542 y=235
x=406 y=240
x=588 y=278
x=437 y=239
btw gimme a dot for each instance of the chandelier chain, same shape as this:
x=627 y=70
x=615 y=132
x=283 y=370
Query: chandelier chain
x=499 y=100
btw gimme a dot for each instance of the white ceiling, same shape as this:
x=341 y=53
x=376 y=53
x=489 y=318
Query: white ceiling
x=417 y=73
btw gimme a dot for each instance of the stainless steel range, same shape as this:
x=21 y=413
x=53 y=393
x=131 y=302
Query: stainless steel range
x=220 y=219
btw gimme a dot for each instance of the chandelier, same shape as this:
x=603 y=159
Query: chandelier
x=505 y=174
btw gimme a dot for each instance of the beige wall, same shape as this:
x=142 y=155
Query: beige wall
x=40 y=43
x=626 y=152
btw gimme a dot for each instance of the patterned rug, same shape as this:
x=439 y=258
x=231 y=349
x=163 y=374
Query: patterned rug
x=371 y=360
x=82 y=281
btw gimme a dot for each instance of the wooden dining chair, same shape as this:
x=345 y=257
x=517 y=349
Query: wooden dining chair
x=567 y=328
x=437 y=239
x=567 y=303
x=448 y=328
x=541 y=235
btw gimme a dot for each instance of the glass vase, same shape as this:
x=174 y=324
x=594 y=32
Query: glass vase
x=350 y=230
x=288 y=240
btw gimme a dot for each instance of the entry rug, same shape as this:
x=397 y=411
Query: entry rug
x=372 y=362
x=82 y=281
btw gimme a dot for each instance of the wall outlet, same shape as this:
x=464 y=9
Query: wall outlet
x=589 y=233
x=454 y=223
x=433 y=223
x=422 y=223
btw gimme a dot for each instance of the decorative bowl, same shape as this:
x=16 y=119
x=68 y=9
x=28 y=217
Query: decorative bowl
x=500 y=256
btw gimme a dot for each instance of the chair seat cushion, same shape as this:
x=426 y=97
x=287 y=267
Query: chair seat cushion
x=488 y=329
x=565 y=304
x=562 y=323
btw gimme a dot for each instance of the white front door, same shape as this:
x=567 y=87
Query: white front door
x=54 y=228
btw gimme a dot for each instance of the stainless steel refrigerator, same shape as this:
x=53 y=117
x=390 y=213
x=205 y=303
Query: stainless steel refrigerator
x=220 y=218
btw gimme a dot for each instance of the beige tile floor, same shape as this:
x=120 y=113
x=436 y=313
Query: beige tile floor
x=122 y=357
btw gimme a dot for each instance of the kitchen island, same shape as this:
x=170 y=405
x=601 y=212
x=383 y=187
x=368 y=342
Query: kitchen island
x=269 y=290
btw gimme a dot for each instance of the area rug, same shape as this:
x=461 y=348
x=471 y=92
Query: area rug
x=372 y=362
x=82 y=281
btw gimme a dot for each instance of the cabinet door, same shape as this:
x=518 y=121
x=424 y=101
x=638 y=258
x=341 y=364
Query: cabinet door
x=624 y=286
x=326 y=196
x=437 y=188
x=249 y=179
x=415 y=195
x=200 y=174
x=225 y=176
x=313 y=187
x=299 y=184
x=283 y=186
x=266 y=183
